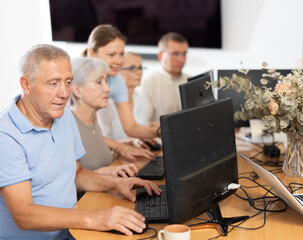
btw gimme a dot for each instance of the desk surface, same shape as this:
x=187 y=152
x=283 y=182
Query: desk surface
x=281 y=225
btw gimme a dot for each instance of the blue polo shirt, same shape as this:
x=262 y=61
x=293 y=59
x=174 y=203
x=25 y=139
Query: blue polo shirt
x=46 y=157
x=118 y=89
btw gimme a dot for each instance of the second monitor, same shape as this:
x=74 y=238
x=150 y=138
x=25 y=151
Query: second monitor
x=194 y=93
x=238 y=98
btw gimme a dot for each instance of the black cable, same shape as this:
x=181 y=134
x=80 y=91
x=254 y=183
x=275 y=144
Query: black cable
x=251 y=202
x=242 y=173
x=274 y=196
x=297 y=188
x=234 y=226
x=268 y=161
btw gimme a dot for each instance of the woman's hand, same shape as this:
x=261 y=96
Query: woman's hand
x=126 y=170
x=136 y=142
x=131 y=152
x=142 y=143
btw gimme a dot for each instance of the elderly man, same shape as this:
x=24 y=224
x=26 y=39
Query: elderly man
x=40 y=148
x=160 y=91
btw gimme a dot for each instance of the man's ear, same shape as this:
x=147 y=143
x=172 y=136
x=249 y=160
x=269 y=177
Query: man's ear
x=91 y=53
x=160 y=55
x=25 y=85
x=76 y=90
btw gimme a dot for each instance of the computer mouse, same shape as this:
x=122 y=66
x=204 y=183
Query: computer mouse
x=155 y=147
x=120 y=233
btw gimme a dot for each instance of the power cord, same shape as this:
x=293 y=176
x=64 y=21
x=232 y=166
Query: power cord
x=270 y=161
x=298 y=186
x=251 y=202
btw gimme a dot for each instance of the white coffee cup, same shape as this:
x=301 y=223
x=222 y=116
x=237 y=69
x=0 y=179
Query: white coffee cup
x=175 y=232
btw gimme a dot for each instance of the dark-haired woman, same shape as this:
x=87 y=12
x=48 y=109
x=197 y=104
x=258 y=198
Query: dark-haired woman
x=107 y=43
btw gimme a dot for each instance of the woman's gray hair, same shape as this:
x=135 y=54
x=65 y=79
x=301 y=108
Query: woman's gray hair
x=85 y=68
x=30 y=62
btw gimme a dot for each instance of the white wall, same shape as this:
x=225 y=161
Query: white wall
x=22 y=24
x=274 y=28
x=253 y=31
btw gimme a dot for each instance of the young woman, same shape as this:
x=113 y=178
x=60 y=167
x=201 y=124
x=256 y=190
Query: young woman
x=107 y=43
x=110 y=123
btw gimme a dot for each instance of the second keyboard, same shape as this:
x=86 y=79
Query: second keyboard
x=153 y=170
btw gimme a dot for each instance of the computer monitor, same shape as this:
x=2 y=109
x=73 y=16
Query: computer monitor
x=207 y=73
x=238 y=98
x=194 y=93
x=200 y=159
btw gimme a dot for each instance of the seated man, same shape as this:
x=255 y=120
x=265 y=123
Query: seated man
x=40 y=148
x=160 y=90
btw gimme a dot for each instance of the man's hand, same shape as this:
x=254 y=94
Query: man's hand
x=125 y=185
x=118 y=218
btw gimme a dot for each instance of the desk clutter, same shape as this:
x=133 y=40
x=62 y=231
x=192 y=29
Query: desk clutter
x=203 y=174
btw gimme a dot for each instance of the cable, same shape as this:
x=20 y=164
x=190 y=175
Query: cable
x=264 y=210
x=270 y=160
x=274 y=196
x=234 y=226
x=297 y=188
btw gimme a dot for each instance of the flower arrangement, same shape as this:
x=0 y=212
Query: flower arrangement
x=281 y=108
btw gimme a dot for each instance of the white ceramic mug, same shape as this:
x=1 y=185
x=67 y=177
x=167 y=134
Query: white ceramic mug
x=175 y=232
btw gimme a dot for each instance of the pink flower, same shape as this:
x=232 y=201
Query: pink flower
x=282 y=88
x=273 y=107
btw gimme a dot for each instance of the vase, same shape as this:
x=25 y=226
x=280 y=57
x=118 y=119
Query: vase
x=293 y=162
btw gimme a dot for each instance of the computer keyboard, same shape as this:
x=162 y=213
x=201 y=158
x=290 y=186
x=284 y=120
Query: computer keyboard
x=153 y=170
x=153 y=208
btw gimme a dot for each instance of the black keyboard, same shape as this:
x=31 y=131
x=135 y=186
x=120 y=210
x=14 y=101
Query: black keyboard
x=153 y=170
x=153 y=208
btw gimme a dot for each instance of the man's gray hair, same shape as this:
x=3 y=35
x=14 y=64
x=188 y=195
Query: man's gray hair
x=84 y=68
x=30 y=62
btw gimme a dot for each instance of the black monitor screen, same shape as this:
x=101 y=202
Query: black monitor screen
x=200 y=158
x=238 y=98
x=142 y=22
x=207 y=73
x=194 y=92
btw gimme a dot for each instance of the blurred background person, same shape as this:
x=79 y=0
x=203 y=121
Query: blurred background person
x=160 y=89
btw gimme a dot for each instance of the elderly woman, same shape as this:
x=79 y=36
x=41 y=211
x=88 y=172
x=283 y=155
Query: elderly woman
x=89 y=94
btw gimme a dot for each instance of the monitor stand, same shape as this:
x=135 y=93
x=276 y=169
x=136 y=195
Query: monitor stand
x=215 y=216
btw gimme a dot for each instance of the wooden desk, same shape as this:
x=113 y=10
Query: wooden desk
x=282 y=225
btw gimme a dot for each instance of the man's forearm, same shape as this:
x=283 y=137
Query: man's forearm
x=44 y=218
x=87 y=180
